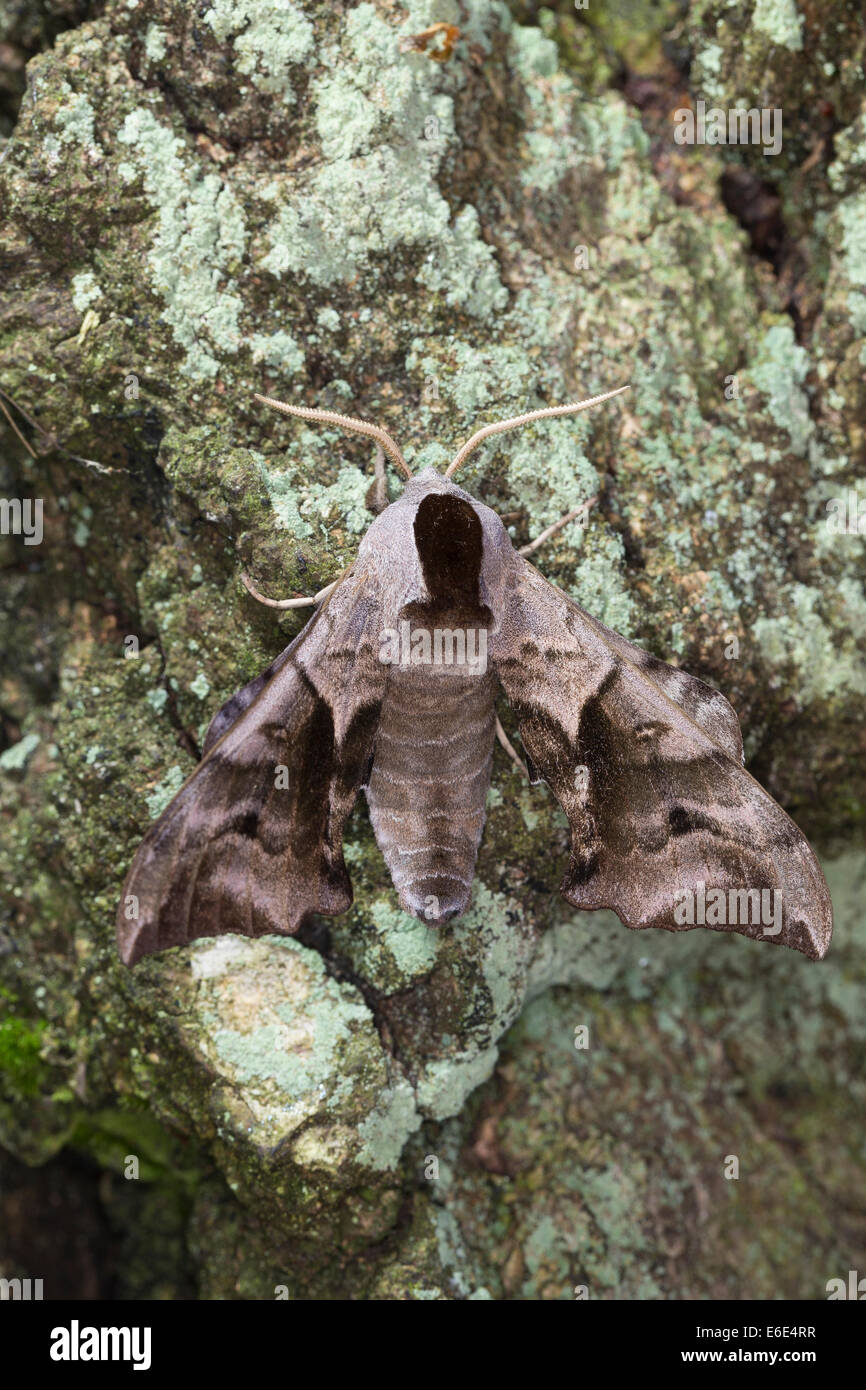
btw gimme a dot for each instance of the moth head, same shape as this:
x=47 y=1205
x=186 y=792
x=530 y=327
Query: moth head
x=458 y=544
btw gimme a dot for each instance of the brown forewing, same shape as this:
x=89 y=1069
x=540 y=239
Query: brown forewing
x=646 y=762
x=252 y=843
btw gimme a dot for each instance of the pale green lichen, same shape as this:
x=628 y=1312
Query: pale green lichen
x=343 y=220
x=455 y=1258
x=504 y=946
x=261 y=1054
x=76 y=119
x=17 y=755
x=706 y=72
x=282 y=492
x=343 y=501
x=384 y=129
x=826 y=663
x=85 y=290
x=200 y=236
x=590 y=948
x=155 y=42
x=444 y=1085
x=566 y=478
x=299 y=1032
x=565 y=132
x=280 y=350
x=781 y=21
x=388 y=1126
x=165 y=790
x=852 y=218
x=300 y=502
x=464 y=270
x=200 y=686
x=346 y=119
x=269 y=40
x=412 y=944
x=532 y=55
x=598 y=585
x=328 y=319
x=496 y=948
x=779 y=369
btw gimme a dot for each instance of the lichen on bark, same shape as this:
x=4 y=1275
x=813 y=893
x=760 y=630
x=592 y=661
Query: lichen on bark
x=197 y=207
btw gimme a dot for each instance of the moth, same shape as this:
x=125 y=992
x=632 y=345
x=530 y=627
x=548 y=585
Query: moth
x=667 y=827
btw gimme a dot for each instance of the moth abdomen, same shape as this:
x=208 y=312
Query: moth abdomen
x=427 y=789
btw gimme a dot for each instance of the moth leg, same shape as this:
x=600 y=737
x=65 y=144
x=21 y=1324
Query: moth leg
x=511 y=751
x=377 y=493
x=557 y=526
x=288 y=602
x=27 y=446
x=49 y=439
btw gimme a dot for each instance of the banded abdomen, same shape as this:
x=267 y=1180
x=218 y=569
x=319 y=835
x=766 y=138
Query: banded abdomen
x=428 y=783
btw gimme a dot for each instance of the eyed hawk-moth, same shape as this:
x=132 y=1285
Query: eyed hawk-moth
x=645 y=761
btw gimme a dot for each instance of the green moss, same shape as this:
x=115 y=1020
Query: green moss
x=114 y=1136
x=633 y=29
x=21 y=1063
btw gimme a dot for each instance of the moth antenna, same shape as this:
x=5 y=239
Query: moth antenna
x=512 y=424
x=345 y=422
